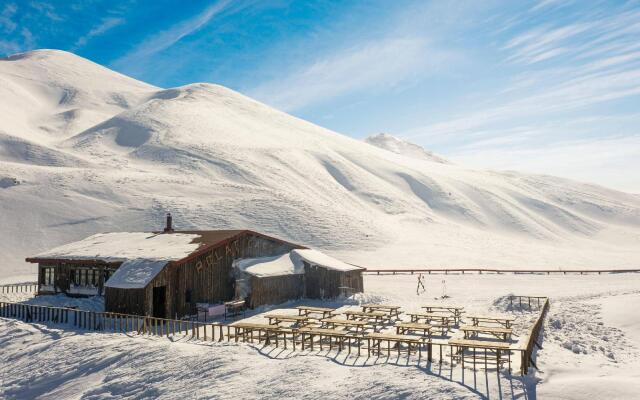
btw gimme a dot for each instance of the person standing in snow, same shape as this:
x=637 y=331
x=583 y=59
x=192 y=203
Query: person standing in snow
x=420 y=283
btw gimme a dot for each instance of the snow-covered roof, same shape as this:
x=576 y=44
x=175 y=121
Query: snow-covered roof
x=290 y=263
x=135 y=274
x=122 y=246
x=270 y=266
x=318 y=258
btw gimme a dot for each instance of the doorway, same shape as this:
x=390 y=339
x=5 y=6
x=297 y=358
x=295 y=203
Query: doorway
x=159 y=298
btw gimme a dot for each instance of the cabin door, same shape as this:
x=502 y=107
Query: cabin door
x=159 y=299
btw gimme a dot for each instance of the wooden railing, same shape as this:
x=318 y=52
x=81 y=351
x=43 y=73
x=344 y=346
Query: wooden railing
x=25 y=287
x=534 y=334
x=112 y=322
x=376 y=271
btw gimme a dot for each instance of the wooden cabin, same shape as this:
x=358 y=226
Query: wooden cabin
x=300 y=273
x=165 y=274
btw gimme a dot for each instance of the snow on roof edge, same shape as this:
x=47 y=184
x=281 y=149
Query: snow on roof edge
x=135 y=274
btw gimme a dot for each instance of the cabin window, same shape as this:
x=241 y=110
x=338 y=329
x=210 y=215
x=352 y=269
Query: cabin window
x=83 y=276
x=48 y=276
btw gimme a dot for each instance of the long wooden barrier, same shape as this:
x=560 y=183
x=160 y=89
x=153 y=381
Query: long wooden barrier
x=446 y=271
x=25 y=287
x=112 y=322
x=534 y=333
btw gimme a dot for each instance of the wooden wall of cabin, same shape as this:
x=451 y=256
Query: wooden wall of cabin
x=125 y=301
x=325 y=283
x=209 y=276
x=275 y=289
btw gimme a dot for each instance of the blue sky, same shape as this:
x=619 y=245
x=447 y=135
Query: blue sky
x=544 y=86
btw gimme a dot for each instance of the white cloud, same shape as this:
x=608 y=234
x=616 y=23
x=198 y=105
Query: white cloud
x=165 y=39
x=105 y=25
x=374 y=64
x=608 y=161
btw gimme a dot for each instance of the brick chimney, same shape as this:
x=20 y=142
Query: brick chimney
x=168 y=228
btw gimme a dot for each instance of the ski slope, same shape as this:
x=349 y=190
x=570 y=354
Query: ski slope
x=84 y=150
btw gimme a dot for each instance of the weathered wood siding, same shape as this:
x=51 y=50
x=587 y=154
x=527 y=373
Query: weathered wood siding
x=275 y=289
x=126 y=301
x=323 y=283
x=209 y=276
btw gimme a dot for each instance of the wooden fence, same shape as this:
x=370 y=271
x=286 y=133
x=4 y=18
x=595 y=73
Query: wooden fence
x=446 y=271
x=534 y=332
x=26 y=287
x=112 y=322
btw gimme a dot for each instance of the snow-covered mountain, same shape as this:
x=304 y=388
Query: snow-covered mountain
x=399 y=146
x=84 y=149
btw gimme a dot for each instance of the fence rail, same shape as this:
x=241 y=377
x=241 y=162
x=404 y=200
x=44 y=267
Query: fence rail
x=536 y=328
x=25 y=287
x=112 y=322
x=374 y=271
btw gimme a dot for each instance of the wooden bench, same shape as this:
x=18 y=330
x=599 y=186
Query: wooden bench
x=276 y=319
x=341 y=336
x=374 y=315
x=325 y=312
x=503 y=333
x=333 y=322
x=375 y=339
x=391 y=310
x=405 y=327
x=443 y=322
x=501 y=320
x=456 y=311
x=498 y=347
x=246 y=331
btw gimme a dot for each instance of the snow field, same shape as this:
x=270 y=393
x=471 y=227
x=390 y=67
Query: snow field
x=589 y=308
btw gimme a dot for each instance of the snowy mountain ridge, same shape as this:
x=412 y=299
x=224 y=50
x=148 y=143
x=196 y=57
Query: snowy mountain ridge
x=96 y=151
x=399 y=146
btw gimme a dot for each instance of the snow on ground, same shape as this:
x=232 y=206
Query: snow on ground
x=94 y=151
x=591 y=348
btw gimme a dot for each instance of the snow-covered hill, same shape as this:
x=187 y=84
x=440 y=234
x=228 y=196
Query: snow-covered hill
x=399 y=146
x=93 y=151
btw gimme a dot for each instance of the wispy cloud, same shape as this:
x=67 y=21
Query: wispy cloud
x=376 y=64
x=105 y=25
x=165 y=39
x=7 y=24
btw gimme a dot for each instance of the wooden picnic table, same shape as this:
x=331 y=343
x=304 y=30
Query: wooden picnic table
x=502 y=320
x=456 y=311
x=341 y=337
x=405 y=327
x=375 y=315
x=391 y=310
x=498 y=347
x=278 y=318
x=435 y=320
x=375 y=339
x=325 y=312
x=503 y=333
x=333 y=322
